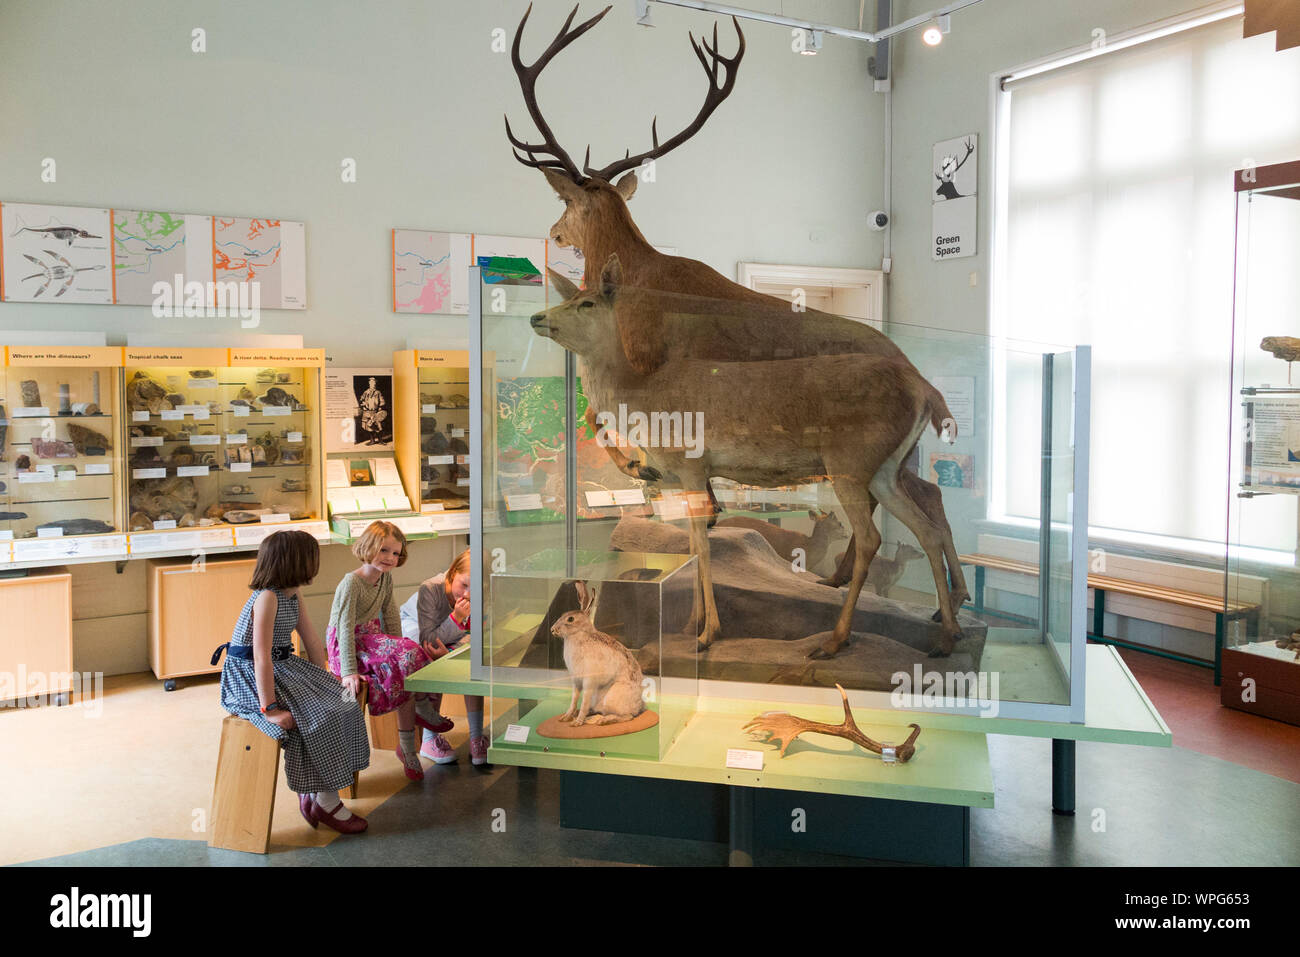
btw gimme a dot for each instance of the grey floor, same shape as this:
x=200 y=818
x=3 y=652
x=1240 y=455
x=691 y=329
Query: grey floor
x=1136 y=806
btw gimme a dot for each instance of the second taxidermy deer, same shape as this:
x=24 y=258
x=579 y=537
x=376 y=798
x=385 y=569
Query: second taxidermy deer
x=815 y=547
x=869 y=411
x=605 y=675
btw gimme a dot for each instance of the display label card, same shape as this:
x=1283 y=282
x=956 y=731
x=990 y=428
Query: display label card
x=210 y=383
x=745 y=760
x=140 y=441
x=148 y=473
x=294 y=437
x=370 y=501
x=320 y=529
x=523 y=503
x=432 y=507
x=629 y=496
x=336 y=474
x=202 y=413
x=241 y=466
x=172 y=415
x=192 y=470
x=236 y=438
x=30 y=412
x=45 y=469
x=49 y=533
x=212 y=439
x=888 y=755
x=190 y=409
x=599 y=499
x=428 y=409
x=462 y=482
x=462 y=460
x=140 y=416
x=452 y=521
x=415 y=524
x=516 y=733
x=240 y=411
x=31 y=551
x=7 y=535
x=274 y=518
x=441 y=459
x=457 y=433
x=99 y=468
x=164 y=523
x=66 y=475
x=385 y=472
x=276 y=410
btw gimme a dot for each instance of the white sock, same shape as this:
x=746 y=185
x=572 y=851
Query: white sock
x=329 y=801
x=407 y=740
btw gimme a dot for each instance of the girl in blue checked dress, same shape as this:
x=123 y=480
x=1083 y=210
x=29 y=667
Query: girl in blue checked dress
x=297 y=702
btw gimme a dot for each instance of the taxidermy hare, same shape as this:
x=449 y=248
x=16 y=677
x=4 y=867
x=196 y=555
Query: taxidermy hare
x=605 y=672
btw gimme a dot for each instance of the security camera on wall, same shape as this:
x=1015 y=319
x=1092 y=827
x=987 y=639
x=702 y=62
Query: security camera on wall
x=878 y=219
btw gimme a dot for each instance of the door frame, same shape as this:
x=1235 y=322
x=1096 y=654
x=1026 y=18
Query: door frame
x=873 y=280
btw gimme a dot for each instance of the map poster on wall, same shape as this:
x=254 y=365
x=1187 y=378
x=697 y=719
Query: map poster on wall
x=954 y=164
x=55 y=254
x=151 y=247
x=269 y=252
x=430 y=272
x=951 y=470
x=1272 y=455
x=359 y=410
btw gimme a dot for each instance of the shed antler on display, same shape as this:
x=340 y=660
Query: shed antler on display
x=560 y=159
x=782 y=728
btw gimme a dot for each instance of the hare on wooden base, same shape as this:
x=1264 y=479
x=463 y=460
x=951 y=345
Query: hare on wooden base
x=603 y=672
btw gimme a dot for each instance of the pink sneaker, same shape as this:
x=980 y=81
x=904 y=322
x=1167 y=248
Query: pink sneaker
x=478 y=748
x=437 y=750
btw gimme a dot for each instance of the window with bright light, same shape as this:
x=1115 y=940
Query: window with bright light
x=1114 y=227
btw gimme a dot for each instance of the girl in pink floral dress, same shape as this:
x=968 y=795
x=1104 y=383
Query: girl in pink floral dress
x=364 y=641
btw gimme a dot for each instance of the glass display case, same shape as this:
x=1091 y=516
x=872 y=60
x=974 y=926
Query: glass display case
x=222 y=445
x=1260 y=659
x=432 y=434
x=61 y=454
x=774 y=459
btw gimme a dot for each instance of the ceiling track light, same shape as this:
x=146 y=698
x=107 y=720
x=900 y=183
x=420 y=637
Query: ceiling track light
x=934 y=31
x=812 y=42
x=937 y=18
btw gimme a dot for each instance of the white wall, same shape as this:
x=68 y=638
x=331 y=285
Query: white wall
x=411 y=89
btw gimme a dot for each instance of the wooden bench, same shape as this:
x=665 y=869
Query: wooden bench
x=1101 y=584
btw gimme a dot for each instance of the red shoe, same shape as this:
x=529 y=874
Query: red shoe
x=305 y=802
x=442 y=726
x=353 y=825
x=412 y=766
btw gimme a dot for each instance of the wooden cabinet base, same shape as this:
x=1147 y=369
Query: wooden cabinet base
x=193 y=609
x=36 y=636
x=1276 y=686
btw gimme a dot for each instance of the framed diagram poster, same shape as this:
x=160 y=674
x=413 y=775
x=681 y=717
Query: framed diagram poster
x=359 y=410
x=1272 y=453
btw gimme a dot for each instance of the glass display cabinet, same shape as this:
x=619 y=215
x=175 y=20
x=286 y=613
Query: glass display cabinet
x=1260 y=661
x=61 y=454
x=432 y=434
x=986 y=472
x=222 y=445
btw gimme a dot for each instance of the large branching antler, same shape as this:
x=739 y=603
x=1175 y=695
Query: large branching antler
x=528 y=82
x=559 y=159
x=712 y=100
x=782 y=728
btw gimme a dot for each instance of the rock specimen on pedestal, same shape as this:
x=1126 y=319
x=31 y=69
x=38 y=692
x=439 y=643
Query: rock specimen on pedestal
x=88 y=441
x=31 y=393
x=145 y=394
x=139 y=522
x=168 y=498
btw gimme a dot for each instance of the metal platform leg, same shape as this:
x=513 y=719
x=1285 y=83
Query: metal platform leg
x=1062 y=777
x=741 y=853
x=1219 y=629
x=979 y=590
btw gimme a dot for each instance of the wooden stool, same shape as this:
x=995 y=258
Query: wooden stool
x=243 y=797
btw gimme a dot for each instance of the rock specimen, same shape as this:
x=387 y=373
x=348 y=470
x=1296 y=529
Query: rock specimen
x=246 y=394
x=12 y=516
x=239 y=516
x=139 y=522
x=200 y=373
x=88 y=441
x=434 y=444
x=1286 y=348
x=265 y=375
x=79 y=526
x=237 y=490
x=458 y=401
x=293 y=485
x=277 y=396
x=182 y=455
x=168 y=498
x=23 y=463
x=31 y=393
x=430 y=398
x=291 y=456
x=221 y=508
x=270 y=446
x=176 y=399
x=53 y=449
x=145 y=394
x=85 y=408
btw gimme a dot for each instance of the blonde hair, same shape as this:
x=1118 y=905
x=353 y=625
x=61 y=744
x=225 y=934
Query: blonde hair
x=372 y=540
x=459 y=566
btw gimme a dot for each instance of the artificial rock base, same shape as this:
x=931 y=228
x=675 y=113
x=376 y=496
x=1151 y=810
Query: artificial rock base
x=555 y=728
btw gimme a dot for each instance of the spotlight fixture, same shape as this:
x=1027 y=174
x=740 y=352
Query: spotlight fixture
x=812 y=43
x=933 y=33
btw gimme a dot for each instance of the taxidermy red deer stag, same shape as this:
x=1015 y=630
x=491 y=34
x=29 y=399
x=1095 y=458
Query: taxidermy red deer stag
x=855 y=427
x=672 y=307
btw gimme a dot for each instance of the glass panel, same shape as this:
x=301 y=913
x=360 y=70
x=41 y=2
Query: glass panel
x=782 y=456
